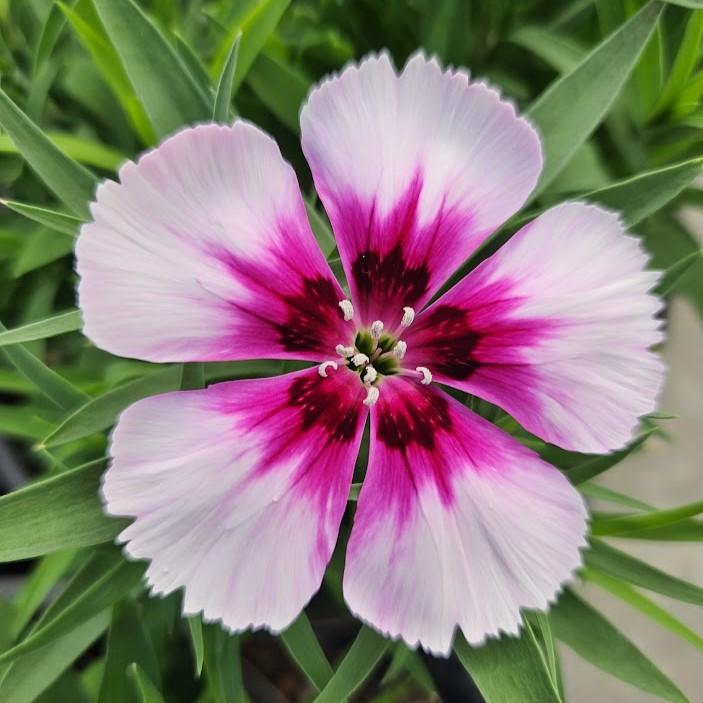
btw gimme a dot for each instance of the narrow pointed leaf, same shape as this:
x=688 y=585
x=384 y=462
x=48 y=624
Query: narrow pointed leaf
x=58 y=221
x=508 y=669
x=620 y=525
x=43 y=329
x=37 y=587
x=99 y=413
x=255 y=28
x=81 y=150
x=594 y=490
x=88 y=28
x=108 y=587
x=321 y=229
x=684 y=63
x=195 y=627
x=68 y=180
x=53 y=386
x=223 y=95
x=223 y=665
x=673 y=274
x=303 y=646
x=282 y=89
x=607 y=559
x=361 y=659
x=32 y=674
x=63 y=512
x=645 y=605
x=127 y=642
x=143 y=685
x=597 y=465
x=571 y=108
x=165 y=87
x=591 y=636
x=642 y=195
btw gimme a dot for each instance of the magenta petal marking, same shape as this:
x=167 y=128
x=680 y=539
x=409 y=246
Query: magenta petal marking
x=238 y=491
x=203 y=252
x=553 y=331
x=457 y=524
x=415 y=170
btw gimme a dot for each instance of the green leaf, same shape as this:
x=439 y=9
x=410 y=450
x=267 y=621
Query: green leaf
x=675 y=272
x=223 y=665
x=143 y=687
x=620 y=525
x=73 y=147
x=100 y=413
x=590 y=635
x=50 y=33
x=685 y=62
x=89 y=29
x=63 y=512
x=320 y=228
x=167 y=91
x=127 y=642
x=508 y=669
x=301 y=642
x=361 y=659
x=282 y=89
x=223 y=95
x=37 y=586
x=195 y=627
x=255 y=28
x=614 y=562
x=43 y=329
x=598 y=464
x=554 y=48
x=32 y=674
x=53 y=386
x=642 y=195
x=108 y=586
x=69 y=181
x=693 y=4
x=645 y=605
x=58 y=221
x=571 y=108
x=594 y=490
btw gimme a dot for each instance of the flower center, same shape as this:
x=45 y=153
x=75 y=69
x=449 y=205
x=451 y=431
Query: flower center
x=374 y=354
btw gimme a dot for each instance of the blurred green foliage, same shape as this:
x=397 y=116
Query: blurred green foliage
x=616 y=88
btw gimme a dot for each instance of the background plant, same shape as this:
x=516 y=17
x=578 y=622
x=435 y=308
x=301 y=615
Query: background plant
x=615 y=88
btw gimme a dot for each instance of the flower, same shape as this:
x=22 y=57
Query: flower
x=203 y=252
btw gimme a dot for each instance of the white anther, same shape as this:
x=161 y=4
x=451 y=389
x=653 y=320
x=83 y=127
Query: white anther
x=371 y=396
x=322 y=368
x=376 y=329
x=370 y=375
x=399 y=349
x=344 y=352
x=347 y=309
x=408 y=317
x=426 y=375
x=360 y=359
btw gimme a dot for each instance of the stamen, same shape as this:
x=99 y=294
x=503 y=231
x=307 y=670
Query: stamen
x=371 y=396
x=408 y=317
x=370 y=375
x=399 y=349
x=360 y=359
x=322 y=368
x=344 y=352
x=347 y=309
x=426 y=375
x=376 y=329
